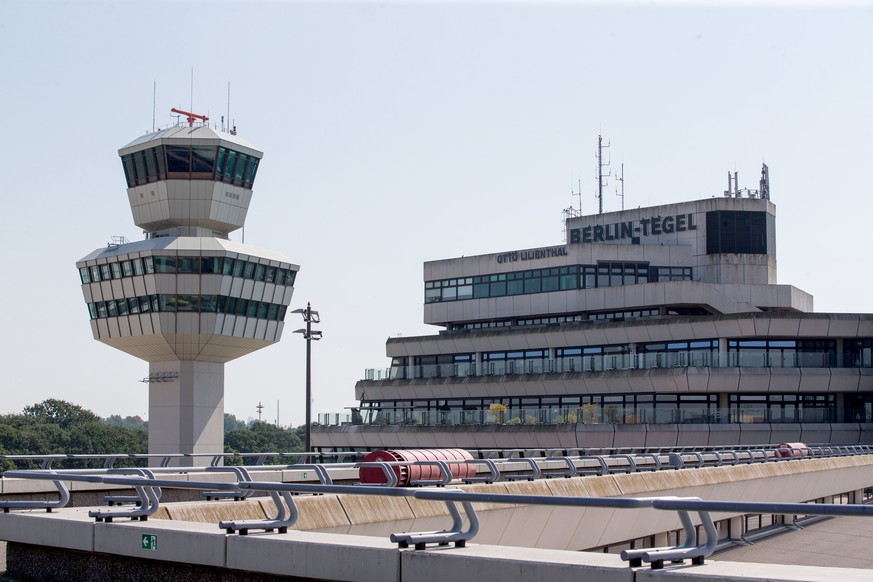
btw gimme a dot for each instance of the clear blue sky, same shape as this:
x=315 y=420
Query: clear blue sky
x=399 y=132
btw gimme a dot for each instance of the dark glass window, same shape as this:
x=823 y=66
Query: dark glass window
x=178 y=159
x=137 y=267
x=95 y=273
x=736 y=231
x=203 y=160
x=165 y=264
x=188 y=264
x=105 y=272
x=85 y=275
x=116 y=270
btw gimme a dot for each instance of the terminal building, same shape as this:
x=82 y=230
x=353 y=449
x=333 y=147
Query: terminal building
x=186 y=298
x=652 y=327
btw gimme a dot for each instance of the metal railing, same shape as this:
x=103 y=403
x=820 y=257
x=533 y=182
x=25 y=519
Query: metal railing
x=700 y=358
x=586 y=414
x=287 y=513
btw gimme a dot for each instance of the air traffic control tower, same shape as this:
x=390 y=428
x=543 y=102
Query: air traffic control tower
x=187 y=299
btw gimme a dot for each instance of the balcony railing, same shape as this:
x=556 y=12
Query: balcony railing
x=586 y=414
x=606 y=363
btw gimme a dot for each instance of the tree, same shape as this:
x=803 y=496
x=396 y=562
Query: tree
x=231 y=422
x=59 y=412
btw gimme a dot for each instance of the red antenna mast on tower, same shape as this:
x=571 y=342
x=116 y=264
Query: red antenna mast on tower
x=191 y=116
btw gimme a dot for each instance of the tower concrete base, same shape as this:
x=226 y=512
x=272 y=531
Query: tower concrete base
x=186 y=414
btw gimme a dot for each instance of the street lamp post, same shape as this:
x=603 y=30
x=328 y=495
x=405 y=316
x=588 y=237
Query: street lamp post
x=309 y=334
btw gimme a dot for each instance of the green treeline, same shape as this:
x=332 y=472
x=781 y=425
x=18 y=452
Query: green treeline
x=60 y=427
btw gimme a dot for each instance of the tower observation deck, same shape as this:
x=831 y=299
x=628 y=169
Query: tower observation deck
x=187 y=299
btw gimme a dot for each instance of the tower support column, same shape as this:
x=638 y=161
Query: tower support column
x=186 y=415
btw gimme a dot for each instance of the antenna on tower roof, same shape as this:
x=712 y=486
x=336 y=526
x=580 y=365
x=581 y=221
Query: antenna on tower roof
x=154 y=102
x=600 y=176
x=621 y=179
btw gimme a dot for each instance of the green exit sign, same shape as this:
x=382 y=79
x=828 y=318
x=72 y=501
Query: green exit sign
x=150 y=542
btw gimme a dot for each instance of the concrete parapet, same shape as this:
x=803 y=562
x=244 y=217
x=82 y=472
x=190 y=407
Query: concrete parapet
x=172 y=541
x=512 y=565
x=70 y=529
x=714 y=571
x=318 y=556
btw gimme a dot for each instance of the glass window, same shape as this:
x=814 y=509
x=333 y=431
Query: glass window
x=532 y=285
x=133 y=302
x=102 y=310
x=129 y=172
x=274 y=312
x=281 y=276
x=292 y=276
x=178 y=159
x=271 y=275
x=230 y=166
x=121 y=306
x=550 y=284
x=85 y=275
x=167 y=302
x=252 y=311
x=188 y=264
x=260 y=272
x=208 y=303
x=165 y=264
x=465 y=292
x=238 y=267
x=249 y=271
x=95 y=273
x=149 y=264
x=92 y=310
x=127 y=269
x=242 y=306
x=250 y=172
x=240 y=169
x=515 y=287
x=105 y=272
x=151 y=165
x=137 y=267
x=159 y=155
x=282 y=310
x=448 y=293
x=144 y=305
x=498 y=289
x=112 y=308
x=230 y=306
x=432 y=295
x=210 y=265
x=186 y=302
x=139 y=166
x=262 y=310
x=227 y=266
x=203 y=160
x=116 y=270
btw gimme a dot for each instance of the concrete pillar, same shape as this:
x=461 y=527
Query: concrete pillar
x=662 y=539
x=857 y=496
x=186 y=413
x=735 y=527
x=722 y=353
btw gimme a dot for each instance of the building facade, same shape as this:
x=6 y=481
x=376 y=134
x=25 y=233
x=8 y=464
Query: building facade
x=658 y=326
x=187 y=299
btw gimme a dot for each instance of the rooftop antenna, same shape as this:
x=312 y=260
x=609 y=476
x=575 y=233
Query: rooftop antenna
x=621 y=179
x=765 y=182
x=260 y=407
x=154 y=102
x=600 y=176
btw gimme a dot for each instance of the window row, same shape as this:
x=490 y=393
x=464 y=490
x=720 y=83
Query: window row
x=654 y=355
x=548 y=280
x=193 y=265
x=187 y=303
x=580 y=318
x=216 y=163
x=610 y=409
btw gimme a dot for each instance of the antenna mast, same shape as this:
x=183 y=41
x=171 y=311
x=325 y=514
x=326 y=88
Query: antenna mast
x=600 y=176
x=621 y=179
